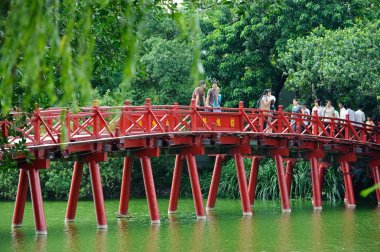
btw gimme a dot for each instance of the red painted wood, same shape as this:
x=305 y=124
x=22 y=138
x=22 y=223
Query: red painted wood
x=242 y=181
x=176 y=184
x=150 y=190
x=195 y=186
x=315 y=179
x=97 y=193
x=22 y=191
x=215 y=182
x=285 y=202
x=74 y=191
x=38 y=208
x=253 y=179
x=125 y=187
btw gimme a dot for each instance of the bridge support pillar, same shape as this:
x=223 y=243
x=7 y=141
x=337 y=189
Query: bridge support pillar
x=242 y=180
x=125 y=188
x=36 y=195
x=176 y=184
x=215 y=182
x=195 y=186
x=150 y=190
x=22 y=191
x=376 y=180
x=285 y=202
x=253 y=179
x=289 y=174
x=97 y=193
x=348 y=184
x=74 y=191
x=315 y=178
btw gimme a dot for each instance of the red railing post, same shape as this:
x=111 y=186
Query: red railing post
x=123 y=123
x=280 y=126
x=315 y=123
x=193 y=110
x=173 y=117
x=95 y=120
x=176 y=184
x=125 y=187
x=215 y=182
x=347 y=127
x=241 y=110
x=148 y=116
x=37 y=124
x=74 y=192
x=253 y=179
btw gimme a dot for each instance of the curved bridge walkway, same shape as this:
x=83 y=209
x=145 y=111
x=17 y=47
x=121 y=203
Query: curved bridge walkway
x=94 y=133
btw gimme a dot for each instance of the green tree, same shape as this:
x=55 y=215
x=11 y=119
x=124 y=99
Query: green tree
x=244 y=53
x=336 y=64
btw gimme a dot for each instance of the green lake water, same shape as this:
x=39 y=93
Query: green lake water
x=333 y=229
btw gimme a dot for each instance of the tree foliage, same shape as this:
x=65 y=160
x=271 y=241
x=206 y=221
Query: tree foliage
x=330 y=63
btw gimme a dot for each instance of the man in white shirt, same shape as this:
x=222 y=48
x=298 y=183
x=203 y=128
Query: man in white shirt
x=351 y=114
x=343 y=111
x=359 y=116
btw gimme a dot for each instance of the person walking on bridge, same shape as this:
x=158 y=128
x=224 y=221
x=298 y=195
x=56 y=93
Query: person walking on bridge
x=265 y=104
x=212 y=99
x=199 y=94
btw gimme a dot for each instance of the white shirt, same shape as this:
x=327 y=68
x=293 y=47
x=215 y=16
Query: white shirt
x=359 y=116
x=319 y=111
x=351 y=115
x=343 y=113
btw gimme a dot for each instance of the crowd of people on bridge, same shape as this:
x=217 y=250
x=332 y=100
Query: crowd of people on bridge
x=267 y=100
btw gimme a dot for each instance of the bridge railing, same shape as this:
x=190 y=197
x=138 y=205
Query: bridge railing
x=60 y=125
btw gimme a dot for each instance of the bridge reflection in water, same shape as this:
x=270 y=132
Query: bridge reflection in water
x=94 y=133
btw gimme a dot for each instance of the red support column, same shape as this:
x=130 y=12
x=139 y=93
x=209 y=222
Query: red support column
x=285 y=202
x=195 y=187
x=289 y=174
x=150 y=190
x=176 y=184
x=125 y=188
x=97 y=192
x=317 y=197
x=253 y=179
x=242 y=180
x=22 y=191
x=376 y=179
x=36 y=195
x=348 y=183
x=215 y=182
x=74 y=191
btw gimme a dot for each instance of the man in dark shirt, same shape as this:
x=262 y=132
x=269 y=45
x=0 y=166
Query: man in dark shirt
x=199 y=93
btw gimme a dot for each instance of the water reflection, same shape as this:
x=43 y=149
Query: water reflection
x=349 y=227
x=101 y=238
x=284 y=232
x=317 y=234
x=71 y=232
x=40 y=243
x=212 y=231
x=245 y=243
x=174 y=235
x=153 y=238
x=124 y=240
x=199 y=239
x=18 y=237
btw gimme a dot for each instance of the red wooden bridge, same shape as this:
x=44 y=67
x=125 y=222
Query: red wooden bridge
x=94 y=133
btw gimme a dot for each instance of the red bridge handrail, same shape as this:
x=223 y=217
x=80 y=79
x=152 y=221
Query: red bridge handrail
x=60 y=125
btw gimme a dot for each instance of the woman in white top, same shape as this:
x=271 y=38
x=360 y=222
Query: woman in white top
x=317 y=107
x=328 y=111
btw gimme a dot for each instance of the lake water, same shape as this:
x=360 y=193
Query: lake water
x=333 y=229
